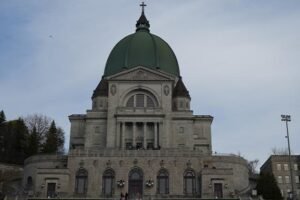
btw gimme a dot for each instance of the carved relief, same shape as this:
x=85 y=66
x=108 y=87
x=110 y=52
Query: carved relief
x=140 y=74
x=81 y=163
x=162 y=163
x=189 y=164
x=113 y=89
x=95 y=163
x=166 y=90
x=108 y=163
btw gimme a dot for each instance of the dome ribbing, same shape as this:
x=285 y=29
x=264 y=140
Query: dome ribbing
x=142 y=49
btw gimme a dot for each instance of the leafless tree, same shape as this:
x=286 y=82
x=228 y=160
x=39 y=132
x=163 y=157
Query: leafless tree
x=252 y=165
x=280 y=151
x=40 y=122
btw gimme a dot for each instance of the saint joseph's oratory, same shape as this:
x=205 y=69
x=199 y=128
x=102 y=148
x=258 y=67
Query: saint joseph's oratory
x=140 y=137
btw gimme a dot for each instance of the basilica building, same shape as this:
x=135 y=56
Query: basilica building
x=140 y=136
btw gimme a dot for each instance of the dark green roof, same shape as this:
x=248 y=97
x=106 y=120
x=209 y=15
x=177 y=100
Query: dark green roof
x=101 y=89
x=142 y=49
x=180 y=90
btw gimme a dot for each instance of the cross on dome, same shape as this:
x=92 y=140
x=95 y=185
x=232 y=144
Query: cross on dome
x=142 y=23
x=143 y=5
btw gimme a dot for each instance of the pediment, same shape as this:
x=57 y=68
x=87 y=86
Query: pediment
x=141 y=74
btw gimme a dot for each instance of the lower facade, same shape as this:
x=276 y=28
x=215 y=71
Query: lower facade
x=156 y=174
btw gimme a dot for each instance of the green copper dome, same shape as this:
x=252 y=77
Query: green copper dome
x=142 y=49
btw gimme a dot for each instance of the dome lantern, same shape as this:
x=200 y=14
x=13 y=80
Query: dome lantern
x=142 y=23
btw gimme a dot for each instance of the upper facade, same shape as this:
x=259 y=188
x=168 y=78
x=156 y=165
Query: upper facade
x=141 y=101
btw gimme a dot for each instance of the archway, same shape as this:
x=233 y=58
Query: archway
x=135 y=186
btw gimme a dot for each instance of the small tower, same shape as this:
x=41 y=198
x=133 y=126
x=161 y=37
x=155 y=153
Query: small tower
x=100 y=95
x=181 y=97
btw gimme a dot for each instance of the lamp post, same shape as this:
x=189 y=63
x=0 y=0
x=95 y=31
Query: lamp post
x=286 y=119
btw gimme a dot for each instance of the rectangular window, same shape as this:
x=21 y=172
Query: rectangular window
x=140 y=100
x=129 y=145
x=101 y=104
x=278 y=167
x=286 y=167
x=81 y=185
x=296 y=179
x=181 y=130
x=150 y=103
x=287 y=179
x=296 y=167
x=150 y=145
x=139 y=145
x=108 y=189
x=279 y=179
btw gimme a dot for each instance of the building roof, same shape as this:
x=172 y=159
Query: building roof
x=279 y=158
x=180 y=90
x=101 y=89
x=142 y=48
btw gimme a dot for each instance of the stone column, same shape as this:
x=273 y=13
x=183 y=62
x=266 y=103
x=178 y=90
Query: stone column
x=118 y=135
x=123 y=135
x=158 y=135
x=133 y=134
x=145 y=135
x=155 y=135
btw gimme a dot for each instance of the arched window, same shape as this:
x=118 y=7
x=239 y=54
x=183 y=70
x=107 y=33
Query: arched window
x=135 y=183
x=108 y=182
x=163 y=182
x=189 y=182
x=81 y=181
x=29 y=182
x=141 y=99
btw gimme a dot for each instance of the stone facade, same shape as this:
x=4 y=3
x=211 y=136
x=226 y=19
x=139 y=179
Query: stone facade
x=139 y=137
x=279 y=166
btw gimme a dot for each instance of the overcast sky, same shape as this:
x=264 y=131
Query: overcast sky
x=240 y=60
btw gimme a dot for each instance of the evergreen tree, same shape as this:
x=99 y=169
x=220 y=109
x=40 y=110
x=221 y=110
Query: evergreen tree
x=2 y=134
x=2 y=116
x=20 y=132
x=267 y=187
x=51 y=143
x=33 y=143
x=14 y=142
x=60 y=140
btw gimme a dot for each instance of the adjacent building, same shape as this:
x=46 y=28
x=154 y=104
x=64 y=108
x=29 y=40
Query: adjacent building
x=279 y=166
x=140 y=136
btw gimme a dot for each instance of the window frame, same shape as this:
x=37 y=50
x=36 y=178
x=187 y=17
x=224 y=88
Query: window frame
x=81 y=174
x=108 y=174
x=132 y=97
x=186 y=177
x=163 y=177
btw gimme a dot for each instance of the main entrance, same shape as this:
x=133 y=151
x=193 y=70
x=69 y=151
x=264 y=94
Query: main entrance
x=51 y=190
x=135 y=189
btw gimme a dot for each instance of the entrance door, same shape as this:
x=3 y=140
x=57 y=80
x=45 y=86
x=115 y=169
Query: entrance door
x=218 y=190
x=135 y=189
x=51 y=189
